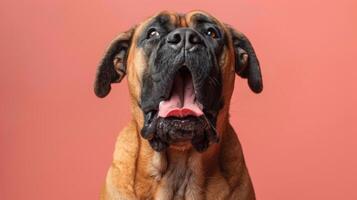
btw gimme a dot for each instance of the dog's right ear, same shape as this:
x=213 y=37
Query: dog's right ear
x=112 y=68
x=247 y=64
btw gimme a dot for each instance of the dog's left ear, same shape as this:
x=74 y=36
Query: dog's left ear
x=112 y=68
x=246 y=61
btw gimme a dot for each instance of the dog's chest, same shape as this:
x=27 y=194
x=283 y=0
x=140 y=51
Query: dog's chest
x=178 y=175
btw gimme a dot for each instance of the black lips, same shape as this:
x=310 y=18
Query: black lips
x=161 y=132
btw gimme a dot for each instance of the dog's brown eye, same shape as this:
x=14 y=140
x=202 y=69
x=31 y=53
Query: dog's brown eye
x=212 y=33
x=153 y=33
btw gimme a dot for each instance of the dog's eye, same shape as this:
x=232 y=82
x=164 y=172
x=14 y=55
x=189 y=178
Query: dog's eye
x=212 y=33
x=153 y=33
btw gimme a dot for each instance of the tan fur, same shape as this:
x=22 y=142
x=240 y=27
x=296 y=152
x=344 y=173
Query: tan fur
x=138 y=172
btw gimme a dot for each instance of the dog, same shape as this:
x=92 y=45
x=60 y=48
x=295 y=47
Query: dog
x=179 y=143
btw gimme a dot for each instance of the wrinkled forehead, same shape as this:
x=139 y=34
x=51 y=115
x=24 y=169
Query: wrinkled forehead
x=171 y=20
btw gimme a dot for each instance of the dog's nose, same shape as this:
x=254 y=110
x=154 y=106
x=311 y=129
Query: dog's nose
x=184 y=37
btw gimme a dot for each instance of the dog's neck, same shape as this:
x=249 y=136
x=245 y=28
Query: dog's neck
x=173 y=159
x=181 y=173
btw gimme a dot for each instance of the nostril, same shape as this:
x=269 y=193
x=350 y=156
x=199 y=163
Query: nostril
x=174 y=39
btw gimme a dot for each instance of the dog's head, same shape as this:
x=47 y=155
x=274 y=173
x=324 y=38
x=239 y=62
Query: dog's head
x=181 y=70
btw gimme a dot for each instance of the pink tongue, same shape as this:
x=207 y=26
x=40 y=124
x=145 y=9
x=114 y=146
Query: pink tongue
x=182 y=101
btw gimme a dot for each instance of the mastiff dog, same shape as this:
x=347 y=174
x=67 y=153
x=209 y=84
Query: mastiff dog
x=179 y=143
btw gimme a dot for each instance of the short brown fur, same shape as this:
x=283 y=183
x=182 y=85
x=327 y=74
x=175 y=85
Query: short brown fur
x=138 y=172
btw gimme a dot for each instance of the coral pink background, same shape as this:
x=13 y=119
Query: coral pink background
x=299 y=136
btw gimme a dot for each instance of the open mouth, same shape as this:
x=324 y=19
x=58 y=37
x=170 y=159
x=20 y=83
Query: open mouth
x=180 y=118
x=182 y=101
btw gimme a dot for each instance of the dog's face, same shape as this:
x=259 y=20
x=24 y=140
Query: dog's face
x=181 y=74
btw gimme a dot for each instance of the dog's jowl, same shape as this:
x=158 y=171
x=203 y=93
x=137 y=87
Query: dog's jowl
x=179 y=144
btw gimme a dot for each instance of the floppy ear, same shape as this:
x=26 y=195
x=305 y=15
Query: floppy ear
x=246 y=64
x=112 y=68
